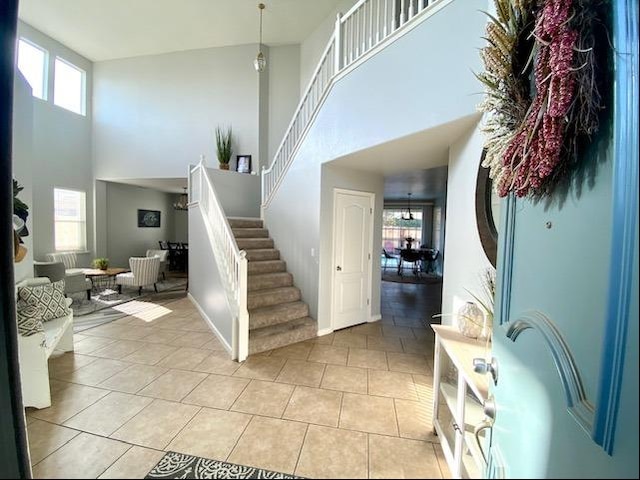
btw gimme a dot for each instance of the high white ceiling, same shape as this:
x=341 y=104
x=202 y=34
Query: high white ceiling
x=108 y=29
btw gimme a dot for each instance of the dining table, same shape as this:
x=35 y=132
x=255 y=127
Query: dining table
x=415 y=255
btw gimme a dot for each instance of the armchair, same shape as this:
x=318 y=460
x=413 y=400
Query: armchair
x=74 y=278
x=162 y=254
x=144 y=271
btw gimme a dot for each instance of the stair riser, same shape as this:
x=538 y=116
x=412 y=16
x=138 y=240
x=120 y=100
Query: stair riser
x=262 y=255
x=257 y=300
x=281 y=340
x=244 y=223
x=260 y=319
x=254 y=243
x=259 y=283
x=250 y=233
x=256 y=268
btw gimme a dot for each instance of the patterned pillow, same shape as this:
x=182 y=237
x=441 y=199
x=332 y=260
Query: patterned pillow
x=40 y=303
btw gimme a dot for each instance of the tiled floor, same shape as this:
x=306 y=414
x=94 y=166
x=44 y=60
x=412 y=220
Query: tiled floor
x=355 y=403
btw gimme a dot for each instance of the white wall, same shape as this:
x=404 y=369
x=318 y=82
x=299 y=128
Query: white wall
x=465 y=260
x=124 y=238
x=155 y=114
x=180 y=225
x=239 y=193
x=61 y=150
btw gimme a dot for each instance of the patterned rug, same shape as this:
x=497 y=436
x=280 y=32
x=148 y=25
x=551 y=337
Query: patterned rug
x=179 y=465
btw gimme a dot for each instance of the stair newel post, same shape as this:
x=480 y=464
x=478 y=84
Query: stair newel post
x=243 y=313
x=338 y=44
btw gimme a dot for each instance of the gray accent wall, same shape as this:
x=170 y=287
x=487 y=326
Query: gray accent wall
x=239 y=193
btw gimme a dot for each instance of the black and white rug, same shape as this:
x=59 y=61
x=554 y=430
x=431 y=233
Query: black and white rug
x=180 y=465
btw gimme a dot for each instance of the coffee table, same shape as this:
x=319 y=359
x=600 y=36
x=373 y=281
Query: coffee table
x=103 y=281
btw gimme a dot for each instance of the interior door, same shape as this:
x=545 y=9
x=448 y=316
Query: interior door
x=566 y=332
x=352 y=257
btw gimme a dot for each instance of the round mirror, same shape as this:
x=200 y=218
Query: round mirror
x=487 y=213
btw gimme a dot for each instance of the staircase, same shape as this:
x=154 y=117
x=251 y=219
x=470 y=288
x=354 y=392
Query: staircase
x=277 y=316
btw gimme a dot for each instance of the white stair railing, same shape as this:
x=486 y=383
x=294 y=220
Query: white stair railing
x=364 y=27
x=231 y=261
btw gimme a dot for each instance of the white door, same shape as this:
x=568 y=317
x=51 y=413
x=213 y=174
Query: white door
x=352 y=257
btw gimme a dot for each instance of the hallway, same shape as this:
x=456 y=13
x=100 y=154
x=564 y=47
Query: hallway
x=411 y=304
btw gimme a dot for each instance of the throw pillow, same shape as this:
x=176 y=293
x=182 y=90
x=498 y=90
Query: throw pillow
x=40 y=303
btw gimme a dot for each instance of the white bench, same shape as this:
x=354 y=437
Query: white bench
x=35 y=350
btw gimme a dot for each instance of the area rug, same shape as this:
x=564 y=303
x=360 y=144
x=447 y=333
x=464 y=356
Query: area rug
x=409 y=277
x=179 y=465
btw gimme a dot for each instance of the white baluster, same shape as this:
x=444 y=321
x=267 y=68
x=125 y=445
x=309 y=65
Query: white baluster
x=338 y=43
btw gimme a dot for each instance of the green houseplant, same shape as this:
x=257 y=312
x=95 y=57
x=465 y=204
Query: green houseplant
x=223 y=146
x=101 y=263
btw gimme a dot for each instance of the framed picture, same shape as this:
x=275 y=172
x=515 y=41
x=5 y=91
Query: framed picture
x=243 y=163
x=149 y=218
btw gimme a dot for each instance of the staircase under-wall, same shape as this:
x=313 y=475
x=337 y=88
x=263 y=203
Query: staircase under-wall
x=277 y=316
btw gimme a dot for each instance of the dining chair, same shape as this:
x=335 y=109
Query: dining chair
x=387 y=257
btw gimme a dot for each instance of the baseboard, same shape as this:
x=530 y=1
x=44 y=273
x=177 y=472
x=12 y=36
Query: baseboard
x=375 y=318
x=325 y=331
x=211 y=324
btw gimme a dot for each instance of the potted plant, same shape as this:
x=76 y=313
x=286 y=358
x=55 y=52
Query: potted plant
x=101 y=263
x=223 y=147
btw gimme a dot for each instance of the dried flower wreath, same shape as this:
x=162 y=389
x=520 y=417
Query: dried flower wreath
x=542 y=91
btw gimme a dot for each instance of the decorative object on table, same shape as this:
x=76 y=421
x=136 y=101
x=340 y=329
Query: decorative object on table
x=409 y=241
x=181 y=465
x=20 y=214
x=470 y=320
x=101 y=263
x=223 y=146
x=243 y=163
x=149 y=218
x=183 y=201
x=260 y=62
x=408 y=215
x=486 y=300
x=542 y=90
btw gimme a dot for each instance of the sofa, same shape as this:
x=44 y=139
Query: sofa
x=75 y=279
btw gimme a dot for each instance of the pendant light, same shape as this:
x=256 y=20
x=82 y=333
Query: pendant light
x=260 y=62
x=183 y=201
x=408 y=215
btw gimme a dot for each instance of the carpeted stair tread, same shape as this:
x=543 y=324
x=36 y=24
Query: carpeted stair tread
x=269 y=280
x=272 y=296
x=250 y=232
x=282 y=334
x=254 y=243
x=258 y=267
x=239 y=222
x=274 y=314
x=262 y=254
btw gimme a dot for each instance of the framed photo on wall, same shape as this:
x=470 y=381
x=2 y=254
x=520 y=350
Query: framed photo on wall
x=148 y=218
x=243 y=163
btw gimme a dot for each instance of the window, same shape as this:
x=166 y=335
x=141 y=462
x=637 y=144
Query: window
x=32 y=63
x=395 y=229
x=70 y=220
x=437 y=228
x=69 y=87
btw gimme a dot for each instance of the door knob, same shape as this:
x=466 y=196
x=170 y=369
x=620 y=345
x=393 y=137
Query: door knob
x=480 y=365
x=339 y=268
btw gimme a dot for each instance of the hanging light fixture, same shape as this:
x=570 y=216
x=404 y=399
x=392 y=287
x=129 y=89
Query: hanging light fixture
x=260 y=62
x=408 y=215
x=183 y=201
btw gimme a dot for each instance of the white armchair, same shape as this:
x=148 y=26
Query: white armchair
x=162 y=254
x=144 y=271
x=75 y=280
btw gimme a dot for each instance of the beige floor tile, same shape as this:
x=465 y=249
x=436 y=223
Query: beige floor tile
x=151 y=354
x=424 y=333
x=157 y=424
x=394 y=331
x=263 y=368
x=314 y=405
x=372 y=328
x=173 y=385
x=90 y=344
x=211 y=434
x=85 y=456
x=419 y=346
x=128 y=332
x=108 y=414
x=346 y=379
x=57 y=385
x=68 y=402
x=442 y=461
x=214 y=344
x=192 y=339
x=361 y=357
x=137 y=462
x=415 y=420
x=184 y=358
x=368 y=414
x=220 y=364
x=409 y=363
x=409 y=322
x=118 y=349
x=217 y=391
x=333 y=453
x=392 y=384
x=133 y=379
x=386 y=344
x=329 y=354
x=264 y=398
x=299 y=372
x=401 y=458
x=165 y=337
x=62 y=364
x=45 y=438
x=323 y=340
x=346 y=338
x=270 y=444
x=299 y=351
x=94 y=373
x=424 y=387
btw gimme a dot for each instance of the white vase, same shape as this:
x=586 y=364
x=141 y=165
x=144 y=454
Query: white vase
x=470 y=320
